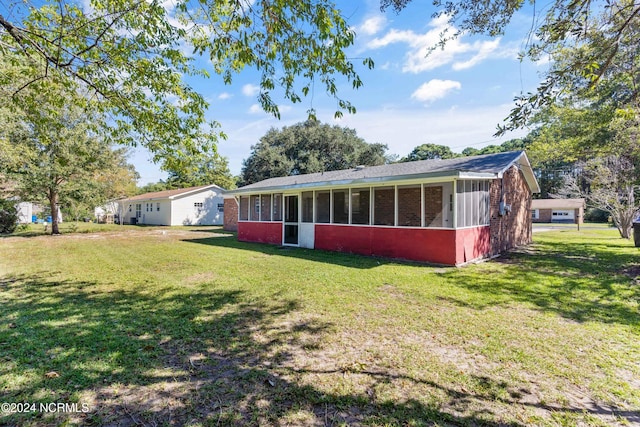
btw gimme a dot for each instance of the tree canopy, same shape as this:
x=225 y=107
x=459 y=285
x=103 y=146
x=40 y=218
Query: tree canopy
x=562 y=24
x=134 y=57
x=51 y=152
x=307 y=148
x=203 y=169
x=428 y=152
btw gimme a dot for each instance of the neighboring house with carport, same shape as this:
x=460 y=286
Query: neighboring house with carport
x=201 y=205
x=558 y=210
x=440 y=211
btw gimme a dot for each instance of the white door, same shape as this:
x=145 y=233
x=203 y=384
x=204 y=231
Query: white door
x=291 y=221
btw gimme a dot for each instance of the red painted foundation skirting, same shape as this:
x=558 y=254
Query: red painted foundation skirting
x=472 y=243
x=260 y=232
x=426 y=245
x=439 y=246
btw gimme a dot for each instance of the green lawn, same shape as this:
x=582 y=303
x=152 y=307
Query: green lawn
x=186 y=326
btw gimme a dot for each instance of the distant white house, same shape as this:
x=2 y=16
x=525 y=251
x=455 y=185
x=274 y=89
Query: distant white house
x=107 y=212
x=26 y=211
x=202 y=205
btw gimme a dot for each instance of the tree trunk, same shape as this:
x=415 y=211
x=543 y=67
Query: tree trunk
x=53 y=202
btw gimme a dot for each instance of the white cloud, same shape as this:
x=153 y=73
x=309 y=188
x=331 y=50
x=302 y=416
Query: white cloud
x=224 y=95
x=424 y=55
x=484 y=49
x=403 y=130
x=435 y=89
x=255 y=109
x=372 y=25
x=250 y=90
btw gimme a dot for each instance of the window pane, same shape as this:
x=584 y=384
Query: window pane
x=383 y=206
x=307 y=206
x=409 y=206
x=468 y=204
x=340 y=206
x=291 y=209
x=460 y=204
x=487 y=202
x=475 y=212
x=360 y=200
x=323 y=206
x=254 y=208
x=265 y=207
x=433 y=206
x=244 y=208
x=277 y=207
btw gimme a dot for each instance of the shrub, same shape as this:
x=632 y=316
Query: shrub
x=8 y=216
x=596 y=215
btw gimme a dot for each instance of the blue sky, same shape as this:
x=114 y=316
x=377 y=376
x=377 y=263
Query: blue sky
x=453 y=97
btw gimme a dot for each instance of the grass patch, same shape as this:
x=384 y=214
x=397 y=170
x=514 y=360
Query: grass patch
x=187 y=326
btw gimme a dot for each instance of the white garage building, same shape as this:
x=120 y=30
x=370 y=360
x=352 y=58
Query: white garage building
x=202 y=205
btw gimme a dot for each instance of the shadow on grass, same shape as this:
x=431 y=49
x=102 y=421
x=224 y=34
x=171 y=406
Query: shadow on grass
x=580 y=281
x=313 y=255
x=175 y=358
x=198 y=355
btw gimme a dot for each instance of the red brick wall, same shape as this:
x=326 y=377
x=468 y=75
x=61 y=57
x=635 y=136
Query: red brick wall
x=230 y=215
x=384 y=206
x=545 y=215
x=433 y=206
x=512 y=229
x=409 y=206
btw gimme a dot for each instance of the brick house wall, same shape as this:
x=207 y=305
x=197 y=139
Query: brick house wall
x=512 y=229
x=409 y=207
x=230 y=215
x=384 y=206
x=545 y=216
x=433 y=206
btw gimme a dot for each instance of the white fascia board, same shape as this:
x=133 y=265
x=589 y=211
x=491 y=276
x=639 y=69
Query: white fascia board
x=477 y=175
x=524 y=166
x=198 y=190
x=378 y=181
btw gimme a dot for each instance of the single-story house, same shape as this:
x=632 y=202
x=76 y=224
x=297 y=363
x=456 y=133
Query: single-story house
x=201 y=205
x=25 y=212
x=558 y=210
x=108 y=212
x=28 y=210
x=440 y=211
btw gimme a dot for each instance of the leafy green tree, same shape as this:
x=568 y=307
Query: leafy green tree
x=8 y=216
x=203 y=169
x=518 y=144
x=306 y=148
x=54 y=155
x=613 y=186
x=563 y=24
x=154 y=187
x=594 y=58
x=135 y=56
x=429 y=152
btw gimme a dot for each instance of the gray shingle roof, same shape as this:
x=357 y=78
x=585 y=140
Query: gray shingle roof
x=168 y=194
x=493 y=164
x=557 y=203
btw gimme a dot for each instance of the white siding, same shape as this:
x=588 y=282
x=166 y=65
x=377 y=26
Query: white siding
x=151 y=215
x=200 y=208
x=25 y=211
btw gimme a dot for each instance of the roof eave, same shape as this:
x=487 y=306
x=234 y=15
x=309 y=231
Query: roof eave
x=447 y=175
x=522 y=161
x=195 y=191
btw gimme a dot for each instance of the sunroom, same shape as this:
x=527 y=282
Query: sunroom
x=426 y=211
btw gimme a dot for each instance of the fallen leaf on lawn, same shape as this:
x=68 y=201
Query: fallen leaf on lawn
x=52 y=374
